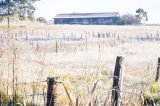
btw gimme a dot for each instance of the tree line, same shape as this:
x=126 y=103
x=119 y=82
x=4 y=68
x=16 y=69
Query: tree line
x=24 y=9
x=129 y=19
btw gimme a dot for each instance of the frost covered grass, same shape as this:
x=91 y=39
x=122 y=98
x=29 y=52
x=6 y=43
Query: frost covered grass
x=81 y=56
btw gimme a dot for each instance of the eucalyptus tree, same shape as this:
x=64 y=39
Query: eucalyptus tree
x=141 y=15
x=22 y=9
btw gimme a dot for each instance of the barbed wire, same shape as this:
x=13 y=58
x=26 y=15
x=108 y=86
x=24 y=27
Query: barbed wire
x=38 y=94
x=24 y=83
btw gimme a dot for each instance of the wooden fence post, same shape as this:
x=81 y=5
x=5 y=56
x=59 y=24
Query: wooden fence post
x=52 y=91
x=56 y=46
x=117 y=82
x=158 y=67
x=0 y=99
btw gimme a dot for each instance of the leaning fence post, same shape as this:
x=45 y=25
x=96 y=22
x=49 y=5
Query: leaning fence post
x=158 y=67
x=52 y=91
x=117 y=82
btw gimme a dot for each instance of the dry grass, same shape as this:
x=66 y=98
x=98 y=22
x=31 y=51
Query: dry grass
x=80 y=59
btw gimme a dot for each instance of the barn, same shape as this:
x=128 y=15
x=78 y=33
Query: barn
x=106 y=18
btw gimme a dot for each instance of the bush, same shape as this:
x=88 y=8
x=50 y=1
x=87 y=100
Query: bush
x=1 y=19
x=7 y=100
x=128 y=19
x=41 y=20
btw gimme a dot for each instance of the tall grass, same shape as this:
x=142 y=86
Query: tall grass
x=84 y=59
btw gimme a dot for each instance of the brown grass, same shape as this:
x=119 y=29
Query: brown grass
x=80 y=63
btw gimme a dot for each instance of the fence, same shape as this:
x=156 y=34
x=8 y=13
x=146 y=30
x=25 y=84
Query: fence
x=52 y=89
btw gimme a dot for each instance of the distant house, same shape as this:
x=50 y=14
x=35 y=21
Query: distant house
x=107 y=18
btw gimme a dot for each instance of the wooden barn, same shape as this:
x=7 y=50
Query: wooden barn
x=107 y=18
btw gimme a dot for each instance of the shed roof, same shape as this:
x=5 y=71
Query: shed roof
x=87 y=15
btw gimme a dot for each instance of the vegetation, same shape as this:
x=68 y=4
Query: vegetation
x=129 y=19
x=41 y=20
x=1 y=19
x=84 y=58
x=21 y=9
x=141 y=15
x=6 y=100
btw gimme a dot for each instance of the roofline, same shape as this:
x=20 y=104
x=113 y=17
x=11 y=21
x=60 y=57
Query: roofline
x=83 y=17
x=86 y=13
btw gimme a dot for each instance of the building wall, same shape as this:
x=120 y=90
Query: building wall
x=87 y=21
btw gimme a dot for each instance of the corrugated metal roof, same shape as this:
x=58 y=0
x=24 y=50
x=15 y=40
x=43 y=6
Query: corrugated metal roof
x=87 y=15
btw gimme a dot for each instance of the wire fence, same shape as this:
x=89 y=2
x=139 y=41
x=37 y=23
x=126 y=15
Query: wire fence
x=27 y=90
x=35 y=92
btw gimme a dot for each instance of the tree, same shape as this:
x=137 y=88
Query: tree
x=141 y=15
x=21 y=8
x=128 y=19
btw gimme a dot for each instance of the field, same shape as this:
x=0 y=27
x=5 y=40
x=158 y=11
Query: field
x=83 y=57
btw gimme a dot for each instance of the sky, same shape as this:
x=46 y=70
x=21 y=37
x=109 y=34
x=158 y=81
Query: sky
x=49 y=8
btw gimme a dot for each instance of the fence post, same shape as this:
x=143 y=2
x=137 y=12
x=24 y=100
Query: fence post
x=52 y=91
x=56 y=46
x=117 y=82
x=158 y=67
x=0 y=99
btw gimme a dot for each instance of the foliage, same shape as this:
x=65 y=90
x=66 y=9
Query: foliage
x=141 y=15
x=128 y=19
x=21 y=8
x=157 y=100
x=1 y=19
x=5 y=99
x=154 y=88
x=41 y=20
